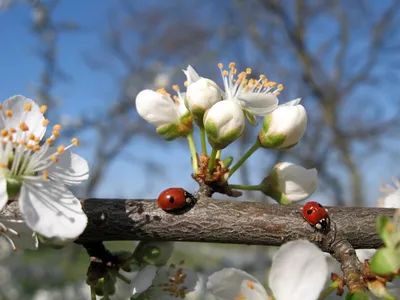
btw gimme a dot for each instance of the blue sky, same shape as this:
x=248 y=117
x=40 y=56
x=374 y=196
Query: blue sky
x=88 y=89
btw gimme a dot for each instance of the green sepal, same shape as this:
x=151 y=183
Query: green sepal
x=268 y=140
x=178 y=129
x=218 y=142
x=227 y=162
x=385 y=261
x=272 y=141
x=357 y=295
x=250 y=117
x=13 y=188
x=198 y=115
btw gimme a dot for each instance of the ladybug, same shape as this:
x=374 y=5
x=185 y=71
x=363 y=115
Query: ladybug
x=175 y=199
x=316 y=215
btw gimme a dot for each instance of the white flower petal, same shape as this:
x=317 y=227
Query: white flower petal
x=299 y=271
x=191 y=75
x=392 y=200
x=364 y=254
x=155 y=108
x=226 y=284
x=3 y=192
x=292 y=102
x=258 y=103
x=70 y=168
x=253 y=290
x=34 y=118
x=51 y=210
x=144 y=279
x=26 y=238
x=296 y=182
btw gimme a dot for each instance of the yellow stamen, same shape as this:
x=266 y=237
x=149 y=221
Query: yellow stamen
x=23 y=126
x=57 y=127
x=240 y=296
x=280 y=87
x=3 y=165
x=225 y=73
x=50 y=141
x=75 y=141
x=56 y=134
x=232 y=65
x=45 y=122
x=250 y=284
x=43 y=109
x=36 y=148
x=60 y=149
x=1 y=106
x=185 y=83
x=12 y=130
x=23 y=142
x=220 y=65
x=175 y=88
x=4 y=132
x=9 y=113
x=54 y=158
x=32 y=137
x=37 y=139
x=45 y=175
x=248 y=71
x=28 y=106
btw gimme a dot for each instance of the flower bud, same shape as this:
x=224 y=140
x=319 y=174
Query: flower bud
x=288 y=183
x=224 y=123
x=201 y=95
x=171 y=118
x=284 y=127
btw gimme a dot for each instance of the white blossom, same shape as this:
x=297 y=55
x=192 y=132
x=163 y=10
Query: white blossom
x=299 y=271
x=284 y=127
x=289 y=182
x=37 y=174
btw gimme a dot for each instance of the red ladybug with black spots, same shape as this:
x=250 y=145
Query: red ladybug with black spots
x=175 y=200
x=316 y=215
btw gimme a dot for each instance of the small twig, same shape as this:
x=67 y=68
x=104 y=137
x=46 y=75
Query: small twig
x=335 y=242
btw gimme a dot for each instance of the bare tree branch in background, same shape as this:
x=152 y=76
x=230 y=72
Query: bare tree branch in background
x=47 y=32
x=332 y=70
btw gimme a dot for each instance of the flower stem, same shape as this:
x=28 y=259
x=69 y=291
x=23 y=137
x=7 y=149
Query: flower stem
x=121 y=277
x=212 y=161
x=192 y=148
x=92 y=293
x=248 y=153
x=203 y=140
x=218 y=154
x=245 y=187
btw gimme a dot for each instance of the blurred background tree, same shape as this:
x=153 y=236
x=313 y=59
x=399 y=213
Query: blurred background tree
x=88 y=60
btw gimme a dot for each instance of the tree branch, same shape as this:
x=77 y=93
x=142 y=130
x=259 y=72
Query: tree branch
x=216 y=221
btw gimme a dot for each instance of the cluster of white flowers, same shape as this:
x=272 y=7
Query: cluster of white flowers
x=36 y=174
x=222 y=114
x=299 y=271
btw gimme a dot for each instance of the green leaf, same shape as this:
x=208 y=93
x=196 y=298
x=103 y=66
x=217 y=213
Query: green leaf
x=382 y=223
x=250 y=117
x=385 y=261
